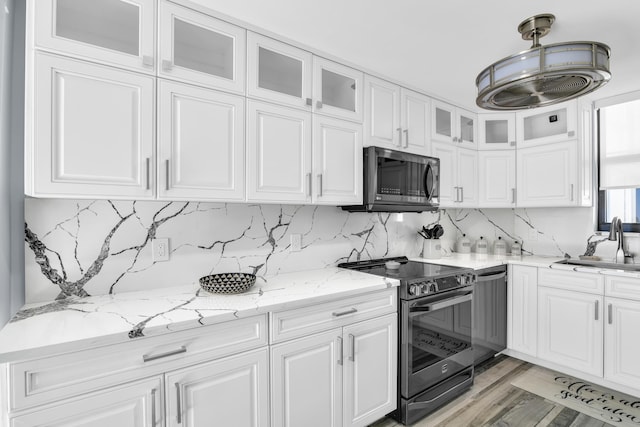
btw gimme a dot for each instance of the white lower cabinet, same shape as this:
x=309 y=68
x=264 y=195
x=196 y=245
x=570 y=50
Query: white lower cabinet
x=137 y=404
x=570 y=328
x=522 y=309
x=621 y=345
x=228 y=392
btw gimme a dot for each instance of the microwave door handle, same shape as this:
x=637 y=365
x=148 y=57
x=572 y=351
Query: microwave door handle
x=425 y=182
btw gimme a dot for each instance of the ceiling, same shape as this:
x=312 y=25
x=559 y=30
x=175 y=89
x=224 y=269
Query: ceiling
x=440 y=47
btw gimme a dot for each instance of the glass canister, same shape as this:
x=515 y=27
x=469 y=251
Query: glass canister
x=516 y=248
x=481 y=246
x=500 y=247
x=464 y=245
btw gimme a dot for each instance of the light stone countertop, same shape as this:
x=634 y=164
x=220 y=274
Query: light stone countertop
x=41 y=329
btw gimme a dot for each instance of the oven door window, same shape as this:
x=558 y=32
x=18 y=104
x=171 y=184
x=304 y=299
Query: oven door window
x=403 y=178
x=438 y=333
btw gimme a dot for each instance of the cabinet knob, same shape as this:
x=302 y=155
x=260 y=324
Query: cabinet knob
x=318 y=104
x=309 y=102
x=166 y=65
x=148 y=61
x=571 y=133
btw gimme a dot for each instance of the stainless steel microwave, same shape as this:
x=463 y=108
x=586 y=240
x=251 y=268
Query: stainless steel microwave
x=396 y=181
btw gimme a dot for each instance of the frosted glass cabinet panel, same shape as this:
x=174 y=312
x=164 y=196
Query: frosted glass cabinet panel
x=200 y=49
x=452 y=124
x=337 y=90
x=443 y=121
x=546 y=125
x=118 y=32
x=278 y=72
x=497 y=131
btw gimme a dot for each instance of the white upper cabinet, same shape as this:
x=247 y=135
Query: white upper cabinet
x=338 y=90
x=200 y=143
x=458 y=175
x=395 y=117
x=201 y=49
x=454 y=125
x=91 y=131
x=279 y=72
x=278 y=153
x=555 y=123
x=115 y=32
x=496 y=131
x=497 y=172
x=337 y=161
x=547 y=175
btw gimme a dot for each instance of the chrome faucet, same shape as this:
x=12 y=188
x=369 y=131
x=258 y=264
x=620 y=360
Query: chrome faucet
x=616 y=229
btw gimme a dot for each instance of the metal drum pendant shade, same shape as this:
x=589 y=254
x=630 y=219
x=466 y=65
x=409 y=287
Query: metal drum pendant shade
x=543 y=75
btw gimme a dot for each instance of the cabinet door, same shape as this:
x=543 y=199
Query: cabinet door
x=497 y=131
x=337 y=161
x=338 y=90
x=621 y=347
x=137 y=404
x=279 y=153
x=92 y=132
x=555 y=123
x=228 y=392
x=547 y=175
x=370 y=370
x=415 y=115
x=306 y=381
x=466 y=128
x=201 y=143
x=201 y=49
x=443 y=125
x=116 y=32
x=522 y=309
x=570 y=329
x=449 y=192
x=497 y=172
x=467 y=177
x=278 y=72
x=382 y=113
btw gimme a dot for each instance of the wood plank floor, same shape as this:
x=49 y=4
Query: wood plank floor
x=493 y=401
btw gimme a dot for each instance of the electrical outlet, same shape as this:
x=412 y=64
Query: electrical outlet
x=533 y=234
x=160 y=249
x=296 y=242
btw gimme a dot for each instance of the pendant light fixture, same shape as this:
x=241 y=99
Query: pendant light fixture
x=543 y=75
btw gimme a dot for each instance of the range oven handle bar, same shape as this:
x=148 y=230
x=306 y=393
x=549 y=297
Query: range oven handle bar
x=442 y=304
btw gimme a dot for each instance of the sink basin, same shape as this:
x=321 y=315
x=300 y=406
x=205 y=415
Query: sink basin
x=600 y=264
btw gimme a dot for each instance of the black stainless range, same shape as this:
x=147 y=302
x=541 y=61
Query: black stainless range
x=435 y=354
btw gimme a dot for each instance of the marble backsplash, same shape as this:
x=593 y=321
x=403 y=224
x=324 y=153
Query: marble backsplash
x=84 y=247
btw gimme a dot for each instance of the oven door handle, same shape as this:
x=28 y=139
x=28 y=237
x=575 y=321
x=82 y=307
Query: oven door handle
x=441 y=304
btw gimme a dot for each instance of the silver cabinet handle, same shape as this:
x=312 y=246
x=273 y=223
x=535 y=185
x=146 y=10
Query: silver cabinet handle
x=153 y=407
x=406 y=138
x=340 y=350
x=318 y=104
x=148 y=172
x=571 y=189
x=166 y=65
x=178 y=404
x=513 y=195
x=461 y=194
x=168 y=172
x=597 y=309
x=147 y=358
x=399 y=137
x=344 y=313
x=320 y=185
x=147 y=61
x=309 y=102
x=309 y=184
x=352 y=344
x=610 y=313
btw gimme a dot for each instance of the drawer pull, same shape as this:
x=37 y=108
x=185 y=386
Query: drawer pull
x=147 y=358
x=344 y=313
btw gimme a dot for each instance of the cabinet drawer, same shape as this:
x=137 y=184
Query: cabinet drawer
x=571 y=280
x=622 y=287
x=39 y=381
x=286 y=325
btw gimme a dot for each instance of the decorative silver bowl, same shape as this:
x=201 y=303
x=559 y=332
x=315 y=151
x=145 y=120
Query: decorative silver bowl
x=228 y=283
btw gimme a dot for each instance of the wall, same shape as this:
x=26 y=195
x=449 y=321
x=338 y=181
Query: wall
x=100 y=247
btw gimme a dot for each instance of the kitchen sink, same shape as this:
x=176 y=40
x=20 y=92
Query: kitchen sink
x=600 y=264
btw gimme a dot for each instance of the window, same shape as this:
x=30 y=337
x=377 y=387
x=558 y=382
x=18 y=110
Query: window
x=619 y=163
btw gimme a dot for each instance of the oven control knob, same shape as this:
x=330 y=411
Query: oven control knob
x=414 y=290
x=433 y=287
x=424 y=288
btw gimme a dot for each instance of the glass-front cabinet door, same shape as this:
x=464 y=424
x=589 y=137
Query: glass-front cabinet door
x=337 y=90
x=442 y=122
x=278 y=72
x=497 y=131
x=466 y=122
x=118 y=32
x=201 y=49
x=555 y=123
